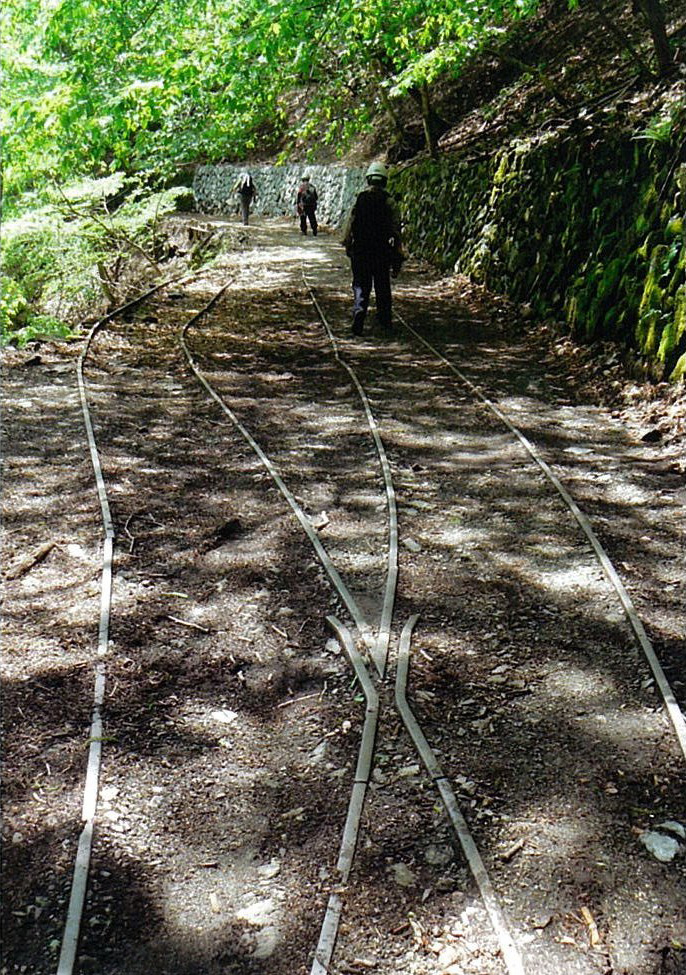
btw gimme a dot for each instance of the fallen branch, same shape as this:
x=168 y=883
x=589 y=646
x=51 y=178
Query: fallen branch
x=29 y=561
x=194 y=626
x=118 y=235
x=297 y=700
x=593 y=935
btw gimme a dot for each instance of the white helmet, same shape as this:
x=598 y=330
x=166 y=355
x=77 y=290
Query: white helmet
x=376 y=173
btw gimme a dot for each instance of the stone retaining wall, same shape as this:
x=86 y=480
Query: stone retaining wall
x=277 y=187
x=589 y=228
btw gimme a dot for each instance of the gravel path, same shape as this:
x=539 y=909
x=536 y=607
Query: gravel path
x=232 y=719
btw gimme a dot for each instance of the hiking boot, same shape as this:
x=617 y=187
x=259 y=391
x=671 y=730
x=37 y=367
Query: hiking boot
x=358 y=323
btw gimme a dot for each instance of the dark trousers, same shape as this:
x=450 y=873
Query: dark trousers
x=245 y=207
x=368 y=272
x=308 y=214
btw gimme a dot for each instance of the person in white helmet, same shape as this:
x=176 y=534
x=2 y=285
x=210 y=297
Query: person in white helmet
x=245 y=188
x=372 y=242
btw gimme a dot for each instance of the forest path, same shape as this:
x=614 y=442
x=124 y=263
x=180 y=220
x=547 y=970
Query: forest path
x=232 y=721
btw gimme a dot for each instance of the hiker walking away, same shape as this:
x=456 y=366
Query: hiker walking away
x=245 y=188
x=372 y=242
x=306 y=204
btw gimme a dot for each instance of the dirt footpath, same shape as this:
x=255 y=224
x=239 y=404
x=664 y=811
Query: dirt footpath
x=232 y=719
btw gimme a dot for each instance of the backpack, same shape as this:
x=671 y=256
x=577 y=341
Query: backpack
x=245 y=184
x=308 y=196
x=372 y=223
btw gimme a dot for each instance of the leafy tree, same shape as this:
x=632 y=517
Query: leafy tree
x=149 y=86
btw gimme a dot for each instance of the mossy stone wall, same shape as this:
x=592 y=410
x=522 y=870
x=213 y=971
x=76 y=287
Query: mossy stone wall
x=589 y=228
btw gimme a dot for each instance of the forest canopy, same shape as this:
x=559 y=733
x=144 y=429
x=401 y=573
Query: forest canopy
x=93 y=87
x=153 y=85
x=108 y=106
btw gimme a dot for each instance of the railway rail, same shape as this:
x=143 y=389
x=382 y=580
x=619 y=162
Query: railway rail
x=369 y=641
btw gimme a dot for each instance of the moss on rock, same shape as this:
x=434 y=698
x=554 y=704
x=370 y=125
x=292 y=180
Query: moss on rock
x=590 y=227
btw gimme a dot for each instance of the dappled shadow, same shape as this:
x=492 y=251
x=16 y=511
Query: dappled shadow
x=230 y=735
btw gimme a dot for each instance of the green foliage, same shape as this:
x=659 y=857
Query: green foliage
x=12 y=304
x=47 y=274
x=667 y=122
x=42 y=327
x=55 y=255
x=152 y=85
x=659 y=129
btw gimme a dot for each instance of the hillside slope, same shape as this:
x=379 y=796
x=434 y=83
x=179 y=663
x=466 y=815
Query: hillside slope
x=560 y=179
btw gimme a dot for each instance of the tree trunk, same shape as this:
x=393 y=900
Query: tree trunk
x=427 y=119
x=621 y=36
x=398 y=127
x=434 y=125
x=655 y=18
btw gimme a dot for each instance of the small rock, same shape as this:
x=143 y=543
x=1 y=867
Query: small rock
x=673 y=827
x=664 y=848
x=267 y=942
x=257 y=913
x=466 y=785
x=77 y=552
x=652 y=435
x=438 y=856
x=269 y=870
x=411 y=545
x=223 y=716
x=403 y=876
x=319 y=753
x=448 y=957
x=297 y=813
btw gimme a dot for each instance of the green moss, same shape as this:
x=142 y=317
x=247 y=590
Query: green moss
x=679 y=371
x=672 y=349
x=585 y=234
x=675 y=227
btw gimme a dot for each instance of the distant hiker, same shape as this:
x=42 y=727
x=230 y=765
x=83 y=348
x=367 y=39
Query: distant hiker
x=306 y=204
x=372 y=242
x=245 y=188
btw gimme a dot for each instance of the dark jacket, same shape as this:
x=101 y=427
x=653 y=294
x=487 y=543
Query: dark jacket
x=307 y=198
x=245 y=186
x=373 y=229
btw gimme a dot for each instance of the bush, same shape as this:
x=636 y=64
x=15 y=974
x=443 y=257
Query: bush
x=65 y=257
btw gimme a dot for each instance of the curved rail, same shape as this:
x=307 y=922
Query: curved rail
x=508 y=948
x=378 y=646
x=380 y=651
x=338 y=584
x=673 y=710
x=329 y=930
x=77 y=896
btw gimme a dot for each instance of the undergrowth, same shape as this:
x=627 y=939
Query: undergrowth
x=68 y=254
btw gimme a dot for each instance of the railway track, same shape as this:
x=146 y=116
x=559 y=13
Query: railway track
x=363 y=476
